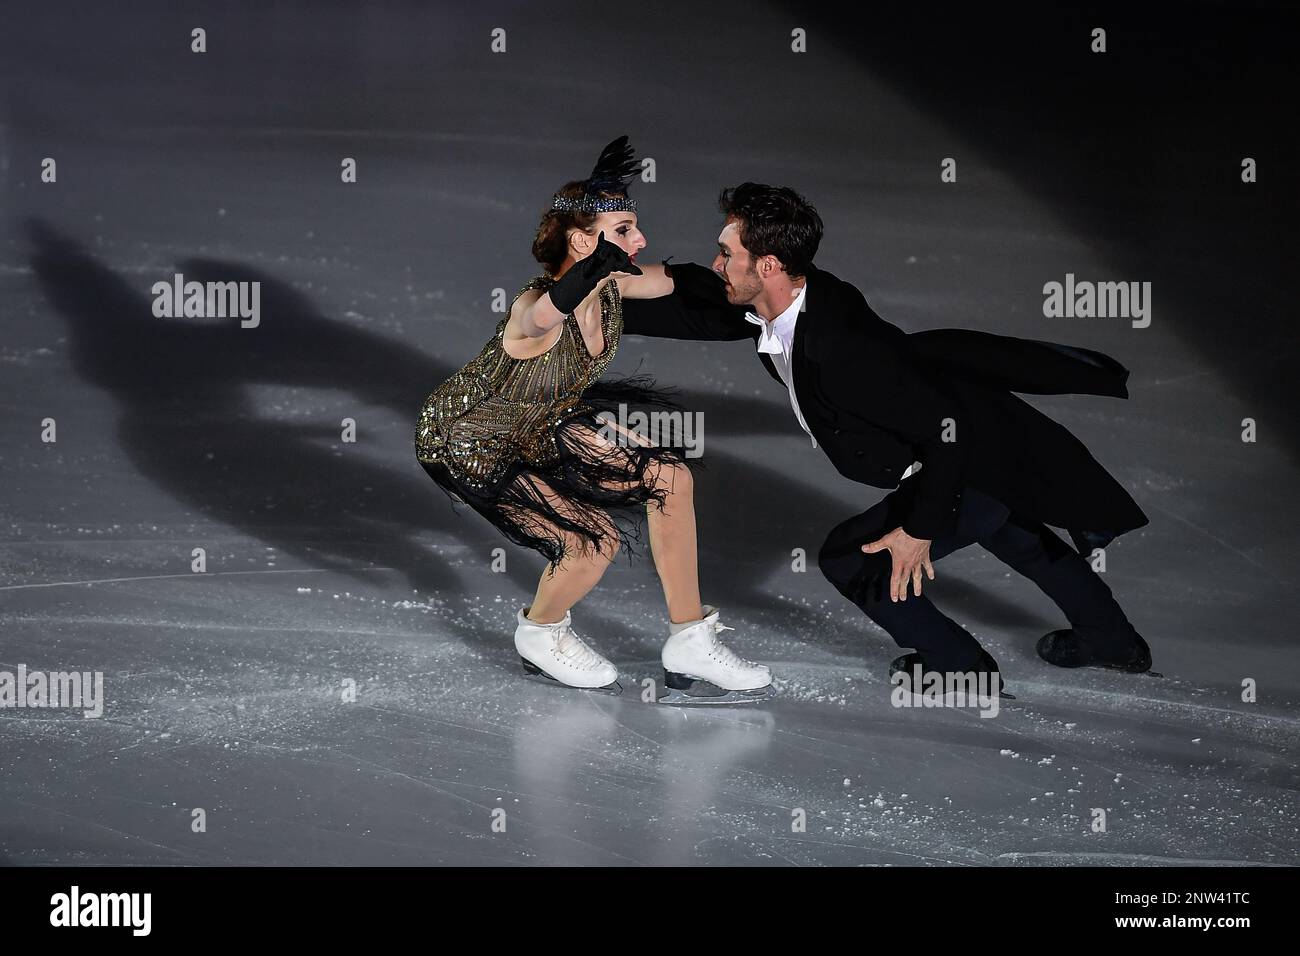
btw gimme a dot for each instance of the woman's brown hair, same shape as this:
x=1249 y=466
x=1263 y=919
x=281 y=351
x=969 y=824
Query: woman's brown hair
x=551 y=244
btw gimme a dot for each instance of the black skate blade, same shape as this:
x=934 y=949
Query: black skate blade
x=534 y=673
x=683 y=691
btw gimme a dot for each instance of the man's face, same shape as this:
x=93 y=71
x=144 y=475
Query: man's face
x=736 y=267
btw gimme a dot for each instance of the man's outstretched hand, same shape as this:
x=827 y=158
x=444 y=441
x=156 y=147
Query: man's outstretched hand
x=909 y=555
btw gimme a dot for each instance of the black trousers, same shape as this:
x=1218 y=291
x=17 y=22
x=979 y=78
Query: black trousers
x=1029 y=547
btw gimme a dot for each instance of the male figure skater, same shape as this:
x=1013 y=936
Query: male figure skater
x=930 y=414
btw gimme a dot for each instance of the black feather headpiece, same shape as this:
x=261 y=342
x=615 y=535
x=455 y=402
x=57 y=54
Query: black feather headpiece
x=613 y=173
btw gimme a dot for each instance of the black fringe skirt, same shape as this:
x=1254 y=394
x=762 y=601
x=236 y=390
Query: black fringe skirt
x=593 y=492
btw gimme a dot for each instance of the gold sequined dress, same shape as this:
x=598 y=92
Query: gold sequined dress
x=519 y=440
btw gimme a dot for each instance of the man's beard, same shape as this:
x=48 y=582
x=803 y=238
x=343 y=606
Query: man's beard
x=748 y=290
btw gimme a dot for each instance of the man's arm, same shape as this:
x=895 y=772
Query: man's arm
x=697 y=309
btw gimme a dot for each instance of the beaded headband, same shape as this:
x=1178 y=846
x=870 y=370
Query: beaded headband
x=613 y=173
x=594 y=204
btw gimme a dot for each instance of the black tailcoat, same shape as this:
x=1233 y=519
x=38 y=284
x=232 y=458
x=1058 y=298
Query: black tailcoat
x=877 y=399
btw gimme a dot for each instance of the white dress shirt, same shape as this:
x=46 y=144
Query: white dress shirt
x=777 y=340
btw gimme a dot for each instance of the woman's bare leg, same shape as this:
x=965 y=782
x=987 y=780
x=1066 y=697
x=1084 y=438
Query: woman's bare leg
x=577 y=572
x=672 y=542
x=672 y=531
x=574 y=577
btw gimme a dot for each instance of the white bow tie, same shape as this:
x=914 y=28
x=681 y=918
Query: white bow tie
x=768 y=341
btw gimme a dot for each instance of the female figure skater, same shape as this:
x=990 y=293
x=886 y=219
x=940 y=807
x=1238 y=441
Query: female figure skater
x=518 y=435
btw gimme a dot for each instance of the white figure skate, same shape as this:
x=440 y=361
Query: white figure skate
x=699 y=669
x=554 y=654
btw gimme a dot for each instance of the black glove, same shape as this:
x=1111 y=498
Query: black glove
x=585 y=274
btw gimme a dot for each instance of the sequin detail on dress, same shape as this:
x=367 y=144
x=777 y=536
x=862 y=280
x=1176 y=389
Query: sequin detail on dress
x=518 y=439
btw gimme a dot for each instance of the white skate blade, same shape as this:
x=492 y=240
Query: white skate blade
x=683 y=691
x=534 y=673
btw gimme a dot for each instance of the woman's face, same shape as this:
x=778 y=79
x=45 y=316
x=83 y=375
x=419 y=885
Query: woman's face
x=621 y=229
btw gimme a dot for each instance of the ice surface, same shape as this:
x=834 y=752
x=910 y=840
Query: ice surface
x=332 y=562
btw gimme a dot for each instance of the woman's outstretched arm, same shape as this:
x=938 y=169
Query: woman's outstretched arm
x=653 y=282
x=694 y=306
x=580 y=281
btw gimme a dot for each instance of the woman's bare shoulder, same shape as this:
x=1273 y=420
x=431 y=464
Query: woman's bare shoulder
x=526 y=299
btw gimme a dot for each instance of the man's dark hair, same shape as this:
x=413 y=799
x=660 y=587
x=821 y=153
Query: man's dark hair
x=774 y=221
